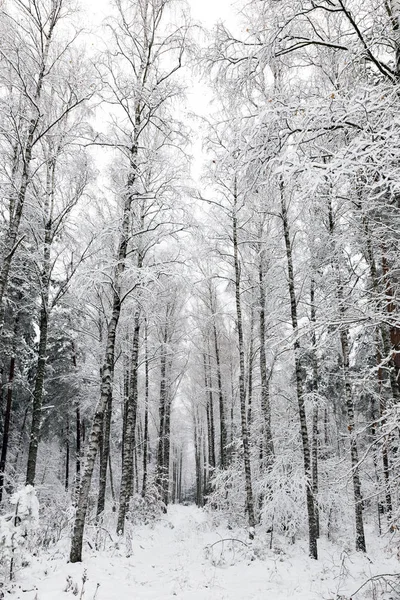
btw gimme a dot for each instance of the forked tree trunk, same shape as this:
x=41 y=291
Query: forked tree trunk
x=107 y=375
x=312 y=529
x=94 y=438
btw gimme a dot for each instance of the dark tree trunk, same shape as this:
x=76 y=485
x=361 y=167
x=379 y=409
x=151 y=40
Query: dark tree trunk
x=104 y=457
x=94 y=438
x=312 y=529
x=360 y=536
x=146 y=412
x=222 y=417
x=128 y=449
x=162 y=468
x=107 y=375
x=7 y=421
x=38 y=397
x=67 y=451
x=17 y=206
x=180 y=476
x=392 y=373
x=349 y=403
x=8 y=411
x=43 y=327
x=315 y=432
x=197 y=457
x=250 y=375
x=166 y=450
x=268 y=444
x=78 y=434
x=19 y=445
x=242 y=390
x=210 y=417
x=206 y=469
x=210 y=405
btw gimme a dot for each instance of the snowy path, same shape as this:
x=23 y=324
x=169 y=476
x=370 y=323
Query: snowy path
x=168 y=562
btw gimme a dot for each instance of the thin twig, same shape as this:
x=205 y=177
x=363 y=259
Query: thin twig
x=373 y=578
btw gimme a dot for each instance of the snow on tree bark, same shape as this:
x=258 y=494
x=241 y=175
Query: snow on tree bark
x=312 y=526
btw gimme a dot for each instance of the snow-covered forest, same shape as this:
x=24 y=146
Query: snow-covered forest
x=199 y=299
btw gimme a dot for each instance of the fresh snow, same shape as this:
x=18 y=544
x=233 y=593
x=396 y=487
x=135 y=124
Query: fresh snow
x=170 y=561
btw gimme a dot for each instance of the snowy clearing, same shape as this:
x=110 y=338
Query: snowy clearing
x=169 y=561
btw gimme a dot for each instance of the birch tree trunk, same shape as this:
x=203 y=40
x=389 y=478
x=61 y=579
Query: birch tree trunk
x=67 y=453
x=7 y=414
x=166 y=448
x=393 y=8
x=387 y=349
x=223 y=439
x=358 y=501
x=209 y=411
x=242 y=390
x=107 y=375
x=312 y=529
x=11 y=238
x=250 y=367
x=104 y=457
x=349 y=403
x=78 y=434
x=130 y=429
x=161 y=459
x=315 y=432
x=265 y=396
x=212 y=457
x=146 y=411
x=40 y=370
x=197 y=459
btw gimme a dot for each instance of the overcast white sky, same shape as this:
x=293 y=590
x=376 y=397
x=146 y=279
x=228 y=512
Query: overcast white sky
x=206 y=11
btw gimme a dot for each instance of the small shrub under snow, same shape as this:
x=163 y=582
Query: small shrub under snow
x=18 y=531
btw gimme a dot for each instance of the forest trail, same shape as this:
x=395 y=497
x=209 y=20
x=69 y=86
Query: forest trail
x=169 y=562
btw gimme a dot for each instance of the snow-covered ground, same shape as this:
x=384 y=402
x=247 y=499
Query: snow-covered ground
x=170 y=561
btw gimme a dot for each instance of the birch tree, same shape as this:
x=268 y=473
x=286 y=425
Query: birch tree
x=33 y=51
x=140 y=82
